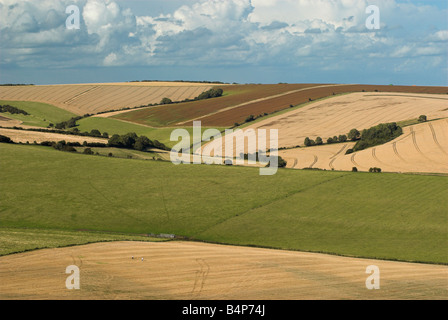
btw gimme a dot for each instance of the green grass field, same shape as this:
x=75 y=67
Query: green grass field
x=41 y=114
x=388 y=216
x=113 y=126
x=21 y=240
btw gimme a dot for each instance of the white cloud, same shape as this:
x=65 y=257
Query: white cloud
x=325 y=33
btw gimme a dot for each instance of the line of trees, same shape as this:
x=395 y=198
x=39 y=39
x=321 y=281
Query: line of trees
x=12 y=110
x=133 y=141
x=374 y=136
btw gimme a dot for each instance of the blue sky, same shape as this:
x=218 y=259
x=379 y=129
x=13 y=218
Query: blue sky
x=243 y=41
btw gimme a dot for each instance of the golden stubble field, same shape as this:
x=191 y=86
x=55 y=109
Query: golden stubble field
x=99 y=97
x=423 y=148
x=195 y=271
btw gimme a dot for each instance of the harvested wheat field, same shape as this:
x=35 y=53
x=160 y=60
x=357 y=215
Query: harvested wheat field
x=423 y=148
x=22 y=136
x=94 y=98
x=338 y=115
x=184 y=270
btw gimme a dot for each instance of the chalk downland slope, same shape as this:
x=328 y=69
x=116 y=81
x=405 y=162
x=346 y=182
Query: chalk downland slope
x=186 y=271
x=93 y=98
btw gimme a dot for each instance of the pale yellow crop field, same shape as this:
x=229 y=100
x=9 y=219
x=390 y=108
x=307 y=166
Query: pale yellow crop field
x=93 y=98
x=195 y=271
x=22 y=136
x=339 y=115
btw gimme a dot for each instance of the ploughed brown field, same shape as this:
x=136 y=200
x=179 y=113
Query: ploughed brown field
x=93 y=98
x=185 y=270
x=234 y=96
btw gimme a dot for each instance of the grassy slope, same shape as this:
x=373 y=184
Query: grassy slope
x=113 y=126
x=41 y=114
x=21 y=240
x=372 y=215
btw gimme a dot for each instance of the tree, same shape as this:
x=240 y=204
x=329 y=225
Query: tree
x=95 y=133
x=354 y=169
x=422 y=118
x=88 y=151
x=354 y=135
x=319 y=141
x=105 y=135
x=330 y=140
x=343 y=138
x=308 y=142
x=166 y=101
x=141 y=143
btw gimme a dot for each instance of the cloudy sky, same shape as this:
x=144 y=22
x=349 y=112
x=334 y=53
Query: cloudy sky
x=244 y=41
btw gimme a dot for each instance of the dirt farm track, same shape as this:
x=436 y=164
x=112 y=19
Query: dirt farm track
x=184 y=270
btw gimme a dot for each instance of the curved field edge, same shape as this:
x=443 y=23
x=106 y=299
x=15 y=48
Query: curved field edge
x=384 y=216
x=17 y=240
x=40 y=114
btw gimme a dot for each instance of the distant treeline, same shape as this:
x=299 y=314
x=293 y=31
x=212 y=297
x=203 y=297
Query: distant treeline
x=187 y=81
x=12 y=110
x=15 y=84
x=75 y=132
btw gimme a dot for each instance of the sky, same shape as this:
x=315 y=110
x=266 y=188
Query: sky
x=241 y=41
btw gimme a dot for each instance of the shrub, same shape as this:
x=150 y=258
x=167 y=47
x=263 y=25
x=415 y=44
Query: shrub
x=349 y=151
x=343 y=138
x=319 y=141
x=250 y=118
x=88 y=151
x=354 y=169
x=166 y=101
x=422 y=118
x=212 y=93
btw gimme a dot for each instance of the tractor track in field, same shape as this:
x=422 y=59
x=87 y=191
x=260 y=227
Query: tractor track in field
x=434 y=136
x=316 y=158
x=81 y=94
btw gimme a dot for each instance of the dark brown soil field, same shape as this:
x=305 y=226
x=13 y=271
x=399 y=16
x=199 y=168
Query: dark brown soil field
x=233 y=96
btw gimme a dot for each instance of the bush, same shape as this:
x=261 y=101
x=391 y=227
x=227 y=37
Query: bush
x=375 y=170
x=349 y=151
x=88 y=151
x=308 y=142
x=422 y=118
x=319 y=141
x=354 y=169
x=212 y=93
x=343 y=138
x=354 y=135
x=166 y=101
x=250 y=118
